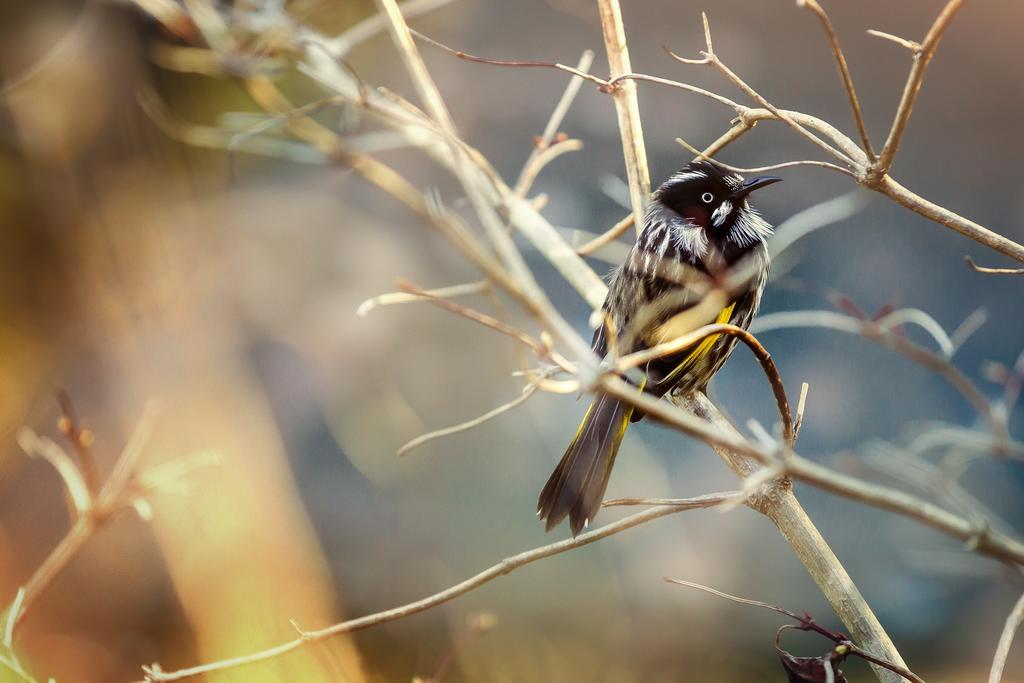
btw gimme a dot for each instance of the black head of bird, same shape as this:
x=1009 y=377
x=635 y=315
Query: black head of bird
x=705 y=210
x=698 y=222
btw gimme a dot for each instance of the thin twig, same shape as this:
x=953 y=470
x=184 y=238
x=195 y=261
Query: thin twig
x=393 y=298
x=801 y=405
x=805 y=623
x=878 y=333
x=911 y=45
x=522 y=185
x=627 y=109
x=610 y=235
x=842 y=594
x=844 y=73
x=1013 y=622
x=476 y=316
x=111 y=500
x=687 y=503
x=604 y=85
x=523 y=397
x=74 y=483
x=81 y=440
x=542 y=158
x=154 y=674
x=733 y=598
x=375 y=23
x=985 y=541
x=913 y=85
x=761 y=169
x=414 y=64
x=711 y=59
x=992 y=271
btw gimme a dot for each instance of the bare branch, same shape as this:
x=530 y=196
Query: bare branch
x=627 y=109
x=155 y=674
x=375 y=23
x=114 y=497
x=604 y=238
x=74 y=483
x=523 y=397
x=706 y=500
x=488 y=193
x=844 y=72
x=761 y=169
x=542 y=158
x=607 y=86
x=806 y=623
x=693 y=421
x=424 y=84
x=733 y=598
x=1013 y=622
x=522 y=185
x=913 y=85
x=393 y=298
x=911 y=45
x=475 y=316
x=800 y=407
x=712 y=59
x=876 y=331
x=943 y=216
x=992 y=271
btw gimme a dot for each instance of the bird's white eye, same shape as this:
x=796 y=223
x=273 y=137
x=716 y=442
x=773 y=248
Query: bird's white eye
x=707 y=197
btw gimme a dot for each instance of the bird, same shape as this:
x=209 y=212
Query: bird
x=698 y=225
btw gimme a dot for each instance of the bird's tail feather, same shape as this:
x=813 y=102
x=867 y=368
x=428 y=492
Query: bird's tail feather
x=576 y=487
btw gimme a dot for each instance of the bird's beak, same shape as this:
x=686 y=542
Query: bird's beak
x=749 y=186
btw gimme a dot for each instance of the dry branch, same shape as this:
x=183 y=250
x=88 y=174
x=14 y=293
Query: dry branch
x=806 y=623
x=844 y=73
x=154 y=673
x=992 y=271
x=1013 y=622
x=922 y=56
x=627 y=109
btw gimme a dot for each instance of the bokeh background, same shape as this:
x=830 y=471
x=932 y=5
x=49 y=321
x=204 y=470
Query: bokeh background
x=133 y=266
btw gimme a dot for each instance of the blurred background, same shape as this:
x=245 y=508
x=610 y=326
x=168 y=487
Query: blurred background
x=133 y=266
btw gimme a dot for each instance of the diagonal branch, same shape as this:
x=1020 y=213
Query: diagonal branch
x=627 y=109
x=414 y=64
x=711 y=59
x=913 y=86
x=531 y=167
x=1013 y=622
x=992 y=271
x=844 y=73
x=528 y=391
x=155 y=674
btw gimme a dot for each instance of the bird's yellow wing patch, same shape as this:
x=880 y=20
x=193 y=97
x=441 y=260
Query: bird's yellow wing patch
x=703 y=348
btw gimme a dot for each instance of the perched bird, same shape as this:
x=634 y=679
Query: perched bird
x=699 y=224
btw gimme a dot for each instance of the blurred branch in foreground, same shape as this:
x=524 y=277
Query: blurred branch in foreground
x=125 y=488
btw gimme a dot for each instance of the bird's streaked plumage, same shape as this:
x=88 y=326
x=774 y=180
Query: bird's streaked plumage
x=699 y=224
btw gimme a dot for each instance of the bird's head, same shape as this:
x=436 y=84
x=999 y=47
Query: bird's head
x=704 y=205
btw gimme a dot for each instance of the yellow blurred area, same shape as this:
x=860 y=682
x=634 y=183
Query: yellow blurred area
x=112 y=290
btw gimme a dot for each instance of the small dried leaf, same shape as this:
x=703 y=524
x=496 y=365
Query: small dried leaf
x=809 y=669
